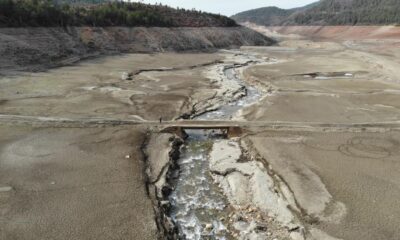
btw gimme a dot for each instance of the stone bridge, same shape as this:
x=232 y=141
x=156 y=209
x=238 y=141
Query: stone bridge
x=231 y=130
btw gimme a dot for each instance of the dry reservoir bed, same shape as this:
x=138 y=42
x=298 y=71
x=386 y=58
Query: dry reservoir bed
x=316 y=176
x=73 y=183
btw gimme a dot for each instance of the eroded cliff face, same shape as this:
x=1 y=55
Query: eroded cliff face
x=330 y=32
x=40 y=48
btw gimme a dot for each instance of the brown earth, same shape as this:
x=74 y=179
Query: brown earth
x=341 y=32
x=76 y=182
x=369 y=92
x=73 y=183
x=355 y=174
x=346 y=182
x=94 y=88
x=40 y=48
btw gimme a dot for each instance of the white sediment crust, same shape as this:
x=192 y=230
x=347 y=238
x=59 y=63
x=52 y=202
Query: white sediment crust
x=247 y=183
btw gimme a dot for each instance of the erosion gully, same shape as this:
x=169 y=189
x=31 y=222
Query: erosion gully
x=199 y=207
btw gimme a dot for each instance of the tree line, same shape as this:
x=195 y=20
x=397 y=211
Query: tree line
x=353 y=12
x=48 y=13
x=329 y=12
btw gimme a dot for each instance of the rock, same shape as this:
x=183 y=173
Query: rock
x=238 y=218
x=169 y=225
x=241 y=226
x=126 y=76
x=128 y=156
x=174 y=154
x=209 y=226
x=166 y=206
x=261 y=228
x=6 y=189
x=166 y=191
x=255 y=236
x=297 y=236
x=186 y=116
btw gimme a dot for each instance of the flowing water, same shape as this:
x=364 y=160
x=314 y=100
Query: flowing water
x=199 y=206
x=227 y=111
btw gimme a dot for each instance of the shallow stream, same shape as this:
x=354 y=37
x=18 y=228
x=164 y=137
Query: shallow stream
x=199 y=207
x=228 y=111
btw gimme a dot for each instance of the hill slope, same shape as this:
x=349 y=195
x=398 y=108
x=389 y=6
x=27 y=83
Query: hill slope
x=37 y=48
x=264 y=16
x=48 y=13
x=38 y=34
x=328 y=12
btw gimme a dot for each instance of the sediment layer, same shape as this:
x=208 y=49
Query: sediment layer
x=38 y=48
x=340 y=32
x=162 y=152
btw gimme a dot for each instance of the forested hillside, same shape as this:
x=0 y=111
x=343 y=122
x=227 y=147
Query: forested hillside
x=48 y=13
x=264 y=16
x=329 y=12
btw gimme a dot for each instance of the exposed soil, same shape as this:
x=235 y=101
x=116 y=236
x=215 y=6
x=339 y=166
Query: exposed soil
x=341 y=32
x=324 y=139
x=73 y=183
x=40 y=48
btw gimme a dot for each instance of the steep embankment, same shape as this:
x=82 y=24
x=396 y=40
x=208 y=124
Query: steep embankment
x=339 y=32
x=38 y=48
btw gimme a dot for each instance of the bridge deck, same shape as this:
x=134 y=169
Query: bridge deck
x=186 y=124
x=204 y=126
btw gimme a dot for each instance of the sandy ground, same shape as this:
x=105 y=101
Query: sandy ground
x=73 y=184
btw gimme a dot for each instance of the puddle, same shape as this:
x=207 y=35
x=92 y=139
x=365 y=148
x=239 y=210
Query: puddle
x=328 y=75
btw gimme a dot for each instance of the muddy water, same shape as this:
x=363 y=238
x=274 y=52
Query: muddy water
x=199 y=206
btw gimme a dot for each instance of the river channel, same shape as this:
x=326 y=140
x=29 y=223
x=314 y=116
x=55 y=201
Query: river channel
x=199 y=207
